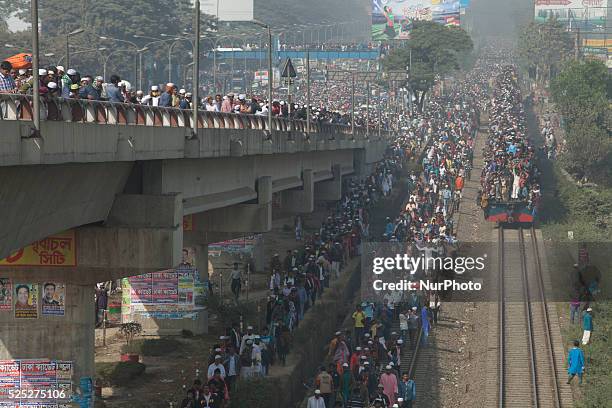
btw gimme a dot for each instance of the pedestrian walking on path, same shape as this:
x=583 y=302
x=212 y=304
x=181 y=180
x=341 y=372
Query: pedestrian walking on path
x=587 y=326
x=575 y=363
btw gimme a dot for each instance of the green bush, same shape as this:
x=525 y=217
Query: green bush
x=152 y=347
x=120 y=373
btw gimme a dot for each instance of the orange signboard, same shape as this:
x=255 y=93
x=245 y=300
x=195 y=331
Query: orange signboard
x=56 y=250
x=188 y=223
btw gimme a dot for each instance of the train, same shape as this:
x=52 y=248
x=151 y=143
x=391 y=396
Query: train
x=510 y=190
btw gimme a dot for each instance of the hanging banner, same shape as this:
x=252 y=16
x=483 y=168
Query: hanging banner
x=26 y=301
x=53 y=302
x=56 y=250
x=6 y=295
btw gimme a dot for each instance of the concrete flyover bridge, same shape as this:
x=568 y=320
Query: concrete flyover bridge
x=120 y=178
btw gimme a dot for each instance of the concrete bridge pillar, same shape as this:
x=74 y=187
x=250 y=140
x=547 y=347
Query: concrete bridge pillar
x=300 y=200
x=330 y=190
x=32 y=333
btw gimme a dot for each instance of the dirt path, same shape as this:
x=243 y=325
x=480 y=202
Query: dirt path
x=456 y=358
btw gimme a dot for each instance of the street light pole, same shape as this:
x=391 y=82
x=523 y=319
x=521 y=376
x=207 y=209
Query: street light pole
x=68 y=34
x=307 y=91
x=36 y=83
x=270 y=79
x=368 y=110
x=140 y=52
x=196 y=68
x=353 y=104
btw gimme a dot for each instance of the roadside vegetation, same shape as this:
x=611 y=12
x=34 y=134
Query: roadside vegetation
x=577 y=188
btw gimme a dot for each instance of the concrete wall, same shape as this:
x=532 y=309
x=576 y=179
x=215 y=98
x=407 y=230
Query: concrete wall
x=69 y=337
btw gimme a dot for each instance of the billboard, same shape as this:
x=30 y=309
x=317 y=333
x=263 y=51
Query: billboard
x=392 y=19
x=228 y=10
x=582 y=14
x=446 y=12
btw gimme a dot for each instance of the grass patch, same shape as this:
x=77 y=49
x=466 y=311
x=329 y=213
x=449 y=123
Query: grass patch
x=597 y=381
x=120 y=373
x=587 y=212
x=152 y=347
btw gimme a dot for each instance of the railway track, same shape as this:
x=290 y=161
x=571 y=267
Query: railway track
x=527 y=366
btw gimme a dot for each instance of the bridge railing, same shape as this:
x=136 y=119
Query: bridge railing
x=19 y=107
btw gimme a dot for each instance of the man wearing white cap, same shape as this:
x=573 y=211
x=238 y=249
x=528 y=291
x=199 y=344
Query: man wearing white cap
x=152 y=99
x=217 y=364
x=52 y=87
x=389 y=382
x=166 y=97
x=248 y=336
x=316 y=401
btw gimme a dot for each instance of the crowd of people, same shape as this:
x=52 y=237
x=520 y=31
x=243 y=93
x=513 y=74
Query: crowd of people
x=297 y=281
x=510 y=172
x=365 y=364
x=330 y=101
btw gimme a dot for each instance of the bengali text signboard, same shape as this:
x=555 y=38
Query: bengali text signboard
x=56 y=250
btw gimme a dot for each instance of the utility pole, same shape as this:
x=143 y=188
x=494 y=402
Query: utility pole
x=368 y=110
x=36 y=80
x=196 y=68
x=308 y=91
x=353 y=104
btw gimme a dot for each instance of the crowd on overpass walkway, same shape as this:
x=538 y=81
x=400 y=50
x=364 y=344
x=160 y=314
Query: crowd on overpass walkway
x=297 y=281
x=366 y=366
x=330 y=101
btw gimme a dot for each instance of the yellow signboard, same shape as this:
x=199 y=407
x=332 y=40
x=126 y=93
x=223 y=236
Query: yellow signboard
x=188 y=223
x=56 y=250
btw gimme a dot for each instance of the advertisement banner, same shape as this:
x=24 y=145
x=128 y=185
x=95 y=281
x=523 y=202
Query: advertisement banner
x=446 y=12
x=171 y=294
x=26 y=301
x=239 y=245
x=583 y=14
x=6 y=295
x=56 y=250
x=392 y=19
x=9 y=377
x=37 y=375
x=53 y=302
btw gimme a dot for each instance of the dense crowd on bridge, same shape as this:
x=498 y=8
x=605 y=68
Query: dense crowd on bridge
x=510 y=172
x=330 y=102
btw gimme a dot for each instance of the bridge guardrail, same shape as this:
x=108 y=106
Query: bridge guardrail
x=19 y=107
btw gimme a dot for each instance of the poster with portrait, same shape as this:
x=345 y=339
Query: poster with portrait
x=53 y=300
x=26 y=301
x=6 y=295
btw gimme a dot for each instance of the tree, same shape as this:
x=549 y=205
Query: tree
x=433 y=49
x=543 y=47
x=581 y=92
